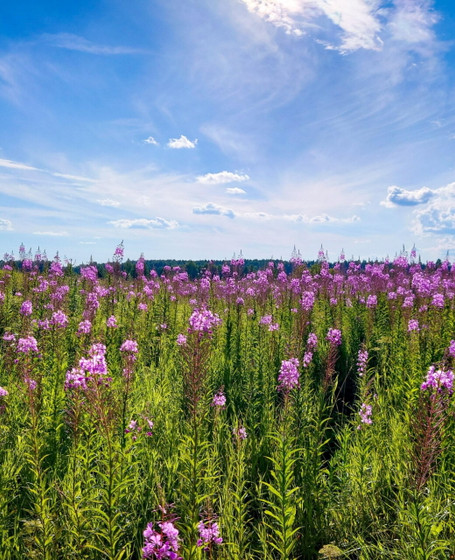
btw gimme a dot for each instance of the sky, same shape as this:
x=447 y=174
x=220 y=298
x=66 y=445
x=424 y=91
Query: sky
x=197 y=129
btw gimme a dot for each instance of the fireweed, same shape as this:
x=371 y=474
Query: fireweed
x=334 y=338
x=428 y=427
x=71 y=489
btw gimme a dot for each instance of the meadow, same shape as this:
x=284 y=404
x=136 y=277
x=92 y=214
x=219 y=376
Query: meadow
x=293 y=412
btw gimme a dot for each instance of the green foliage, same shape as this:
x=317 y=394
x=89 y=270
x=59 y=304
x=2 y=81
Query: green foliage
x=82 y=472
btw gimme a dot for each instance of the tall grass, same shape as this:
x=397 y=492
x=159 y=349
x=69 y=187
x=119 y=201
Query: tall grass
x=161 y=404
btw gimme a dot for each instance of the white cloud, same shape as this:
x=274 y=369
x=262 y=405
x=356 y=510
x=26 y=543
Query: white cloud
x=435 y=219
x=359 y=23
x=144 y=223
x=235 y=190
x=211 y=208
x=182 y=142
x=358 y=20
x=108 y=202
x=221 y=178
x=438 y=216
x=412 y=21
x=52 y=233
x=24 y=167
x=396 y=196
x=151 y=140
x=74 y=177
x=5 y=225
x=17 y=165
x=73 y=42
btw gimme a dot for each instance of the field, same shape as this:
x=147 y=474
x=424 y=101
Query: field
x=293 y=412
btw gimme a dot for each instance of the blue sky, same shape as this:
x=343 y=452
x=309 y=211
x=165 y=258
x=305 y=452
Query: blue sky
x=201 y=128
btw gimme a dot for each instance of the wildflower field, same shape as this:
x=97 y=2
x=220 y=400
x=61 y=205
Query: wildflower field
x=293 y=412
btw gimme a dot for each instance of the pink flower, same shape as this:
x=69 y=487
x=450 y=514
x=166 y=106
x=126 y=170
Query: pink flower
x=219 y=399
x=289 y=374
x=181 y=339
x=111 y=322
x=26 y=308
x=334 y=337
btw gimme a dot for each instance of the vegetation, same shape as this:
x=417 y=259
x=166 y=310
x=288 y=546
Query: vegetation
x=292 y=412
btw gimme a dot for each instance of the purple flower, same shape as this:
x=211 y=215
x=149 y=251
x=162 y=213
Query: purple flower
x=365 y=414
x=59 y=319
x=372 y=301
x=289 y=374
x=439 y=380
x=142 y=307
x=161 y=545
x=312 y=341
x=219 y=399
x=28 y=344
x=89 y=368
x=119 y=251
x=266 y=320
x=26 y=308
x=362 y=359
x=334 y=337
x=438 y=300
x=129 y=346
x=111 y=322
x=84 y=327
x=181 y=339
x=307 y=301
x=9 y=337
x=308 y=356
x=413 y=325
x=3 y=392
x=203 y=320
x=75 y=379
x=452 y=348
x=409 y=301
x=32 y=384
x=209 y=532
x=240 y=433
x=89 y=273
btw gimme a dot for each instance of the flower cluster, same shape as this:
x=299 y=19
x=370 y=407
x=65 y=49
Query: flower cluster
x=161 y=544
x=311 y=346
x=59 y=319
x=27 y=345
x=84 y=327
x=111 y=322
x=362 y=359
x=219 y=400
x=26 y=308
x=439 y=380
x=93 y=368
x=181 y=339
x=129 y=346
x=203 y=320
x=413 y=325
x=209 y=533
x=334 y=337
x=289 y=374
x=365 y=414
x=240 y=433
